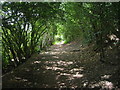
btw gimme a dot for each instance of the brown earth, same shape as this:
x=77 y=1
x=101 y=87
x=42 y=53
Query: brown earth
x=62 y=66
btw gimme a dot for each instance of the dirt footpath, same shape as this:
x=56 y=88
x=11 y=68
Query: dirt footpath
x=62 y=66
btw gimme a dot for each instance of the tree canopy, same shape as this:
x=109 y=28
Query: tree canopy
x=29 y=27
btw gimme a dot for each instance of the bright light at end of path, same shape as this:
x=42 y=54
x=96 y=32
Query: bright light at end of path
x=60 y=43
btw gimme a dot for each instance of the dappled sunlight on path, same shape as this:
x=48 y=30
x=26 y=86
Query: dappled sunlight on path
x=61 y=66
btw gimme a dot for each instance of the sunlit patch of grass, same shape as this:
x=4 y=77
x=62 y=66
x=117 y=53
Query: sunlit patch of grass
x=59 y=40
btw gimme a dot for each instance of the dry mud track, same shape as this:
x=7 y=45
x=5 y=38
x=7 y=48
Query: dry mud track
x=62 y=66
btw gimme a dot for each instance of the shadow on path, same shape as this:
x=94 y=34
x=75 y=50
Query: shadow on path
x=62 y=66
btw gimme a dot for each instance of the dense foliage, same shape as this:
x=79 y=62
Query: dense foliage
x=31 y=27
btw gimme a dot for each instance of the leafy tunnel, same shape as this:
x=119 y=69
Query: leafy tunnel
x=62 y=31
